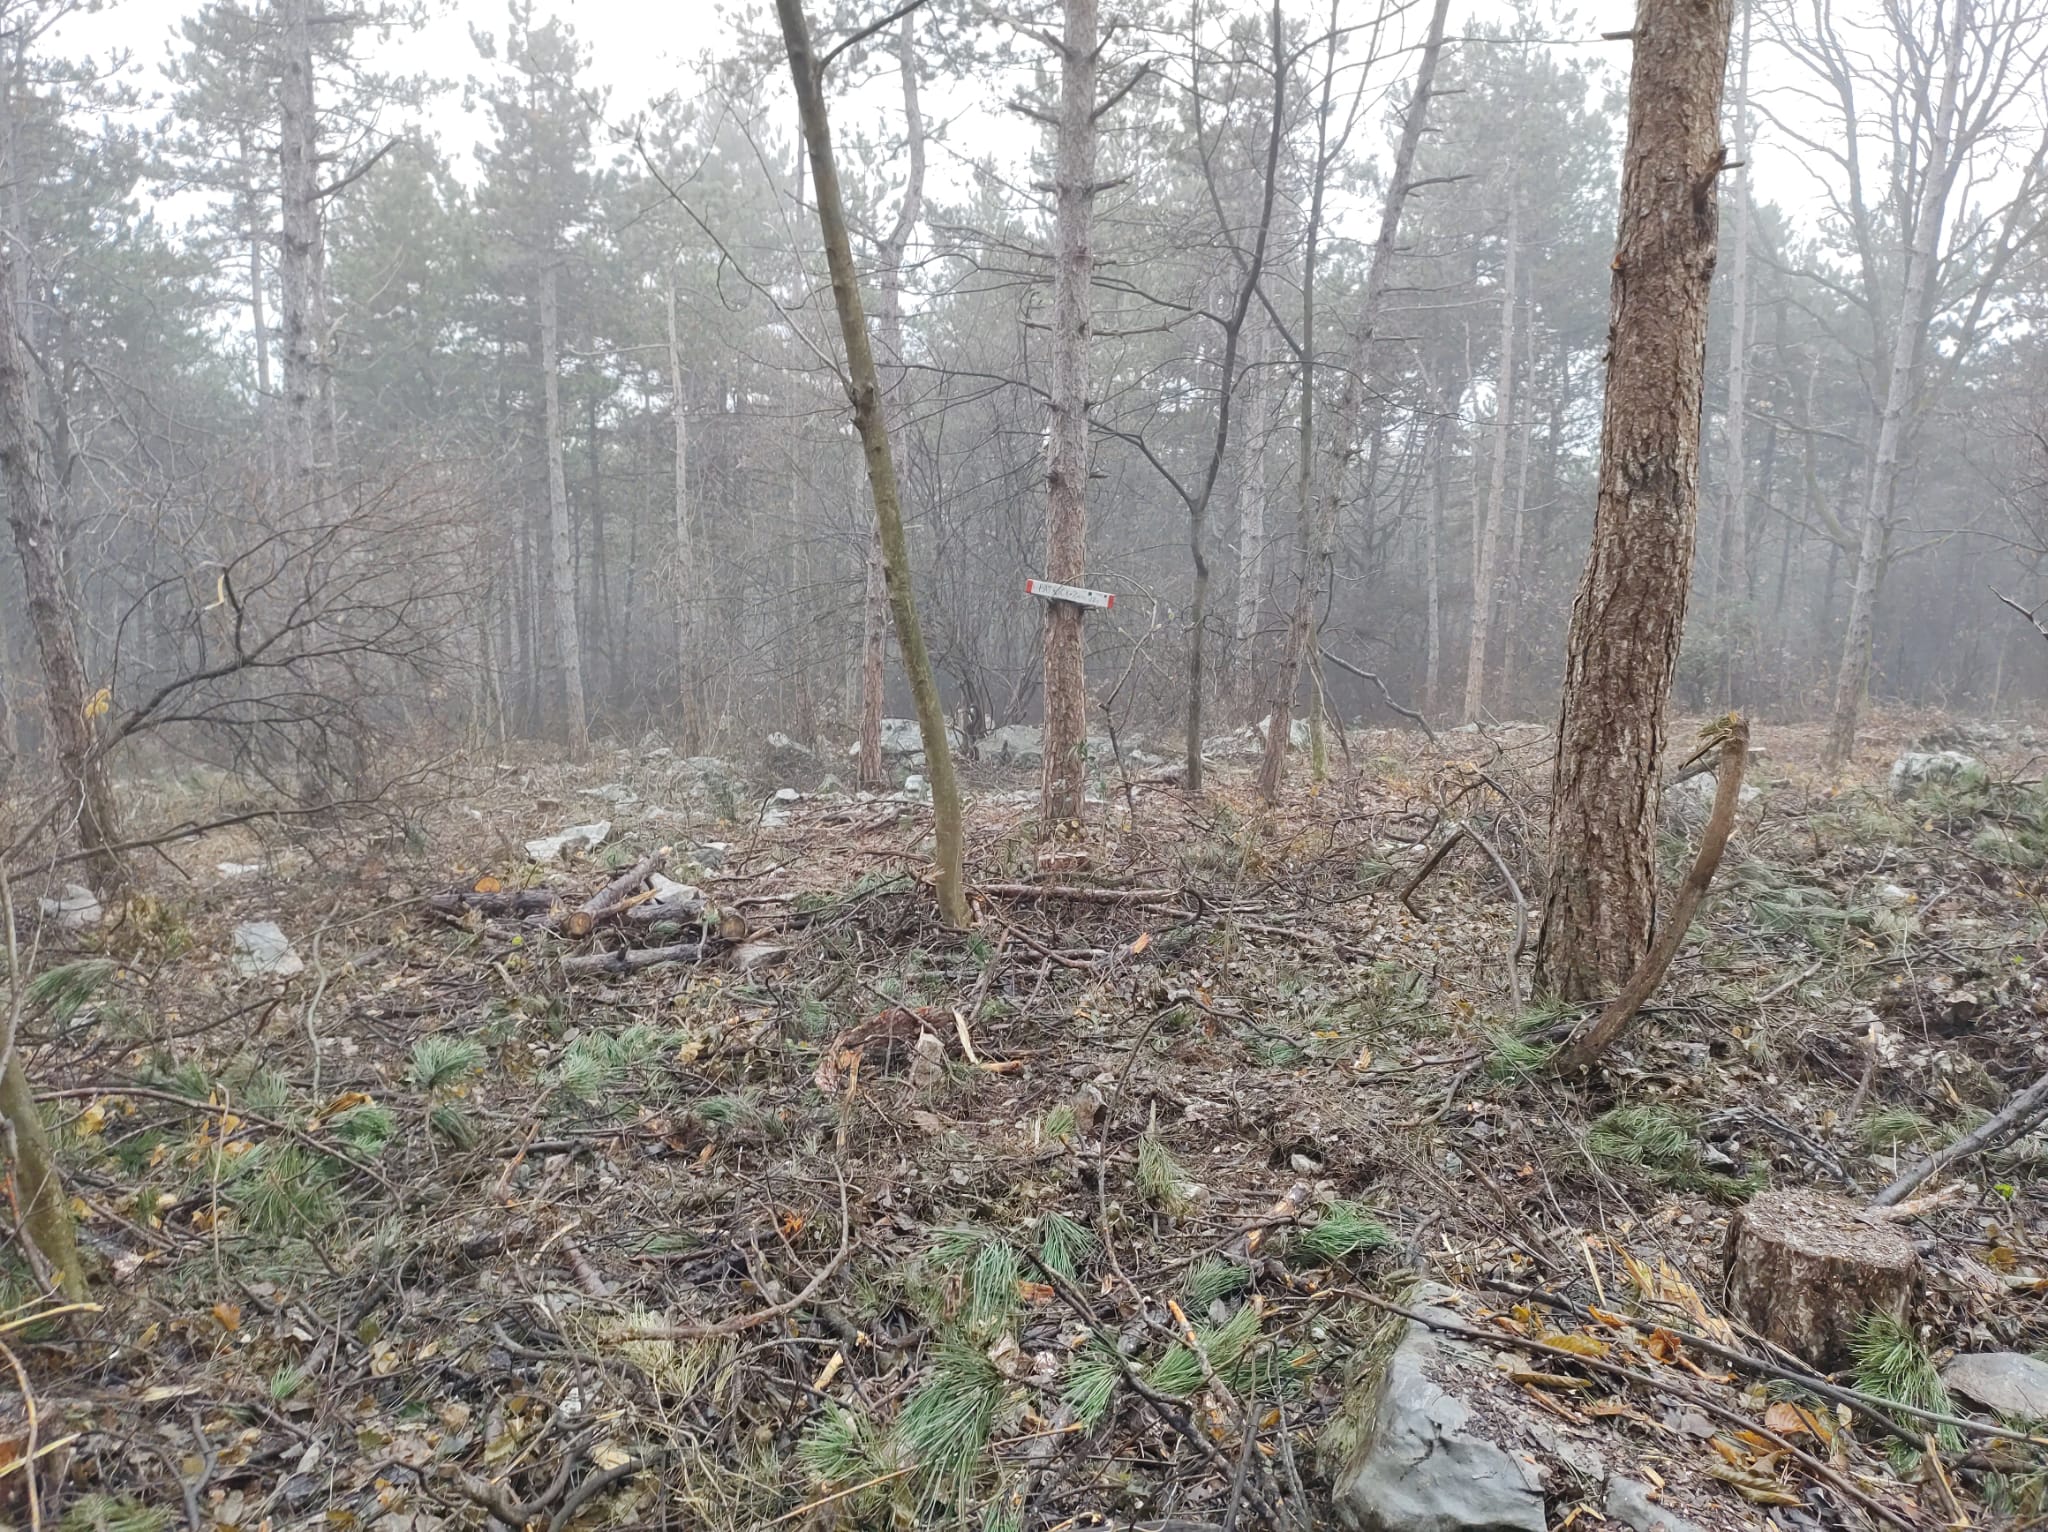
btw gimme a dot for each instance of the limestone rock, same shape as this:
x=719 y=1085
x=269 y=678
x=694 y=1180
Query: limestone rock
x=262 y=948
x=1425 y=1464
x=1804 y=1268
x=2007 y=1382
x=1629 y=1503
x=1014 y=744
x=1916 y=771
x=583 y=837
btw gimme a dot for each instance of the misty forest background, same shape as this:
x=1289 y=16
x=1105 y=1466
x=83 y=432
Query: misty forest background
x=627 y=298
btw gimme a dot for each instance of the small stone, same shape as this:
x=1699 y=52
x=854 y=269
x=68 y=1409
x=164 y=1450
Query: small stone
x=2006 y=1382
x=75 y=909
x=262 y=948
x=579 y=837
x=1629 y=1503
x=788 y=795
x=1915 y=772
x=914 y=784
x=928 y=1061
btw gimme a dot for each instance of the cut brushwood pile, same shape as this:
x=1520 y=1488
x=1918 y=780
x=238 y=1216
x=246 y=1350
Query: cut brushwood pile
x=542 y=1195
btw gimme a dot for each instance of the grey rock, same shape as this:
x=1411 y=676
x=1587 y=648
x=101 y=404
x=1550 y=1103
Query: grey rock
x=900 y=736
x=73 y=910
x=262 y=948
x=1424 y=1466
x=2008 y=1382
x=1692 y=801
x=787 y=795
x=587 y=837
x=614 y=793
x=1915 y=771
x=1297 y=732
x=1014 y=744
x=710 y=854
x=1629 y=1503
x=915 y=785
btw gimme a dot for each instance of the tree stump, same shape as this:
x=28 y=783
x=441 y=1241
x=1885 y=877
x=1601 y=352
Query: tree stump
x=1804 y=1269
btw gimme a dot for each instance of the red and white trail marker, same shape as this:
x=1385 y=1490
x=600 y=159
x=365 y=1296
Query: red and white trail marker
x=1052 y=590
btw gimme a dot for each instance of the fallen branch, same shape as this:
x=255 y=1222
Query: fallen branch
x=1868 y=1404
x=521 y=902
x=1585 y=1049
x=586 y=915
x=632 y=959
x=2019 y=1114
x=1086 y=895
x=1385 y=696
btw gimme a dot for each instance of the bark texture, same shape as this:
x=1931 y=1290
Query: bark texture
x=1805 y=1268
x=1323 y=488
x=864 y=390
x=298 y=246
x=561 y=531
x=688 y=659
x=1600 y=906
x=1066 y=515
x=39 y=541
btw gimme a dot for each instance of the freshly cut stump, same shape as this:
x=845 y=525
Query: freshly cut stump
x=1804 y=1269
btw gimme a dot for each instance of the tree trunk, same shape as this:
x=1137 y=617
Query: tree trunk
x=1252 y=489
x=561 y=532
x=1902 y=387
x=1731 y=583
x=1487 y=576
x=1320 y=545
x=688 y=659
x=38 y=1187
x=1630 y=609
x=1066 y=520
x=865 y=391
x=875 y=599
x=298 y=240
x=39 y=541
x=1432 y=557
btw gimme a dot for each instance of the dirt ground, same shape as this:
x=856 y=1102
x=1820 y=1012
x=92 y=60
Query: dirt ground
x=1083 y=1217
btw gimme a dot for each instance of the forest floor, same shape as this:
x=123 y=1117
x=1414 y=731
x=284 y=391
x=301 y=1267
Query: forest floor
x=851 y=1221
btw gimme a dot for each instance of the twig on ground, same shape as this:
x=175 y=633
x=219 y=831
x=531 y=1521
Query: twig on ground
x=1463 y=831
x=775 y=1310
x=2018 y=1115
x=1385 y=696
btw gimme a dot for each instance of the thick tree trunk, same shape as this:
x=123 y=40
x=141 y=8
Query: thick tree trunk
x=1601 y=903
x=38 y=1186
x=1487 y=576
x=39 y=541
x=1432 y=560
x=865 y=390
x=1066 y=520
x=1341 y=442
x=561 y=531
x=1902 y=388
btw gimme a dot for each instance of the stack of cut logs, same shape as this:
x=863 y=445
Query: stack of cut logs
x=636 y=905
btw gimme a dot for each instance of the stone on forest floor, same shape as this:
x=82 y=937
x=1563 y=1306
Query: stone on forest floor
x=1014 y=744
x=73 y=910
x=2007 y=1382
x=1692 y=801
x=1423 y=1464
x=261 y=948
x=585 y=837
x=1805 y=1268
x=1915 y=771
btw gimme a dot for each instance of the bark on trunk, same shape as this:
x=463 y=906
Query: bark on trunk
x=39 y=541
x=1486 y=578
x=561 y=532
x=875 y=602
x=1301 y=627
x=1902 y=387
x=38 y=1187
x=1600 y=906
x=688 y=658
x=1252 y=489
x=297 y=251
x=1731 y=583
x=1066 y=519
x=865 y=391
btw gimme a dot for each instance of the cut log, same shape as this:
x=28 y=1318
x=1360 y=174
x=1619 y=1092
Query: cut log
x=1804 y=1269
x=581 y=920
x=510 y=901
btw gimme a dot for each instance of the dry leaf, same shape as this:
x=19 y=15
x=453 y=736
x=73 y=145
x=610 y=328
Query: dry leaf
x=229 y=1316
x=488 y=885
x=1787 y=1419
x=1578 y=1345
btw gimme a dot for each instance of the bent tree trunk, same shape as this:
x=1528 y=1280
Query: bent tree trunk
x=1321 y=545
x=1630 y=608
x=1486 y=591
x=38 y=540
x=864 y=389
x=1066 y=511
